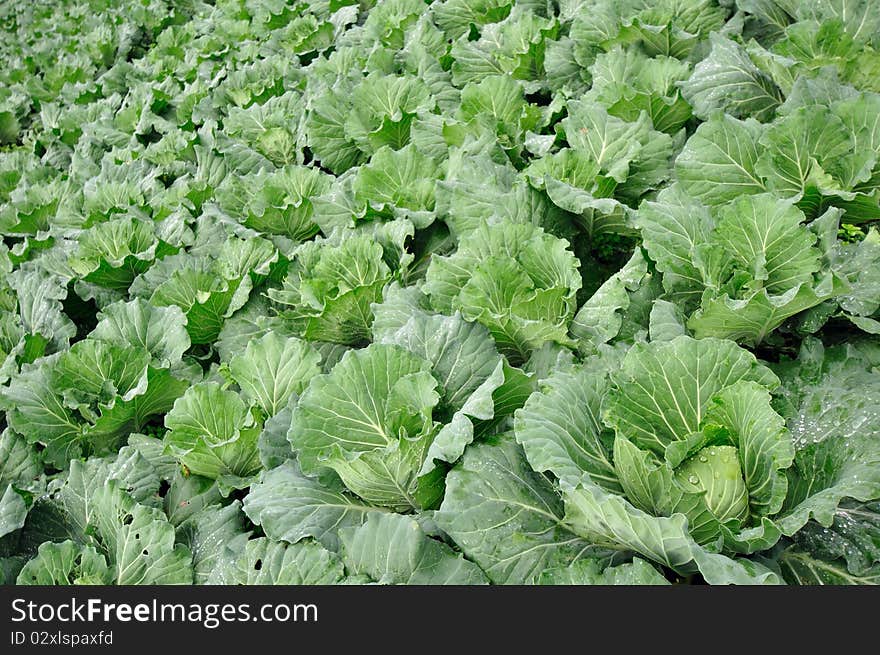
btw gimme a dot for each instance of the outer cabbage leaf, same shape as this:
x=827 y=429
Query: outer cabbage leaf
x=209 y=533
x=65 y=563
x=560 y=427
x=392 y=549
x=598 y=516
x=586 y=572
x=718 y=163
x=507 y=518
x=265 y=562
x=672 y=226
x=799 y=566
x=101 y=503
x=727 y=79
x=604 y=315
x=854 y=536
x=290 y=507
x=273 y=368
x=828 y=399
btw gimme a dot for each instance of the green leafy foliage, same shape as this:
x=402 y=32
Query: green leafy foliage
x=446 y=292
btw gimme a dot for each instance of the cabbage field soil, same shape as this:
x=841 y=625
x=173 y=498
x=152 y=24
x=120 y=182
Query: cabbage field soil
x=567 y=292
